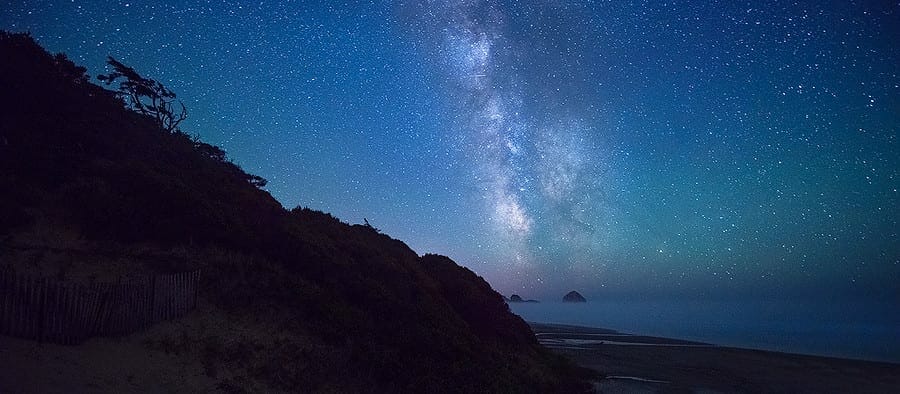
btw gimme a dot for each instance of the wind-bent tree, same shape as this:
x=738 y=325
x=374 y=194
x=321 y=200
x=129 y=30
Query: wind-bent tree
x=257 y=181
x=145 y=96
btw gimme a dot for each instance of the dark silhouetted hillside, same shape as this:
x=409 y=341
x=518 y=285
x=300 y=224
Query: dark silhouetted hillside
x=309 y=303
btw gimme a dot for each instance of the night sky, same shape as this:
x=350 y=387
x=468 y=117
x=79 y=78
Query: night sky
x=618 y=148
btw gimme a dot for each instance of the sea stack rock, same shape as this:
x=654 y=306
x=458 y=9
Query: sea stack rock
x=515 y=298
x=573 y=296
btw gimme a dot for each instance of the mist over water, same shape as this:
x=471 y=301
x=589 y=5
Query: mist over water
x=846 y=328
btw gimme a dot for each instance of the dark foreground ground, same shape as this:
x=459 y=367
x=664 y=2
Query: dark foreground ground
x=631 y=364
x=650 y=364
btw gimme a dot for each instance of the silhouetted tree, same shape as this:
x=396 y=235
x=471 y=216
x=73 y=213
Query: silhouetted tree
x=145 y=96
x=258 y=181
x=217 y=154
x=214 y=152
x=69 y=70
x=368 y=225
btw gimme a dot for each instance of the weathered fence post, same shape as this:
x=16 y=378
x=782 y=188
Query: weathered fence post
x=5 y=300
x=29 y=308
x=41 y=311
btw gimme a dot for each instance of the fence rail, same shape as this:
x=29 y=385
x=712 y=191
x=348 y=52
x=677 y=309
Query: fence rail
x=70 y=313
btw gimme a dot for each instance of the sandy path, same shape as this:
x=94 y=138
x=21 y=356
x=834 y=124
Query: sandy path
x=102 y=365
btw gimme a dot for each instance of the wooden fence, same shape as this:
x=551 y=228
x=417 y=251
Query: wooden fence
x=69 y=313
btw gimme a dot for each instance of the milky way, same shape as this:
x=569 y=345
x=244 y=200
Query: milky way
x=488 y=117
x=528 y=166
x=629 y=148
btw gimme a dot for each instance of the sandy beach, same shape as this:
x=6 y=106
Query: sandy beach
x=634 y=363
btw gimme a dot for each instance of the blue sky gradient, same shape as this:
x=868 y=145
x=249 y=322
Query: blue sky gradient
x=618 y=148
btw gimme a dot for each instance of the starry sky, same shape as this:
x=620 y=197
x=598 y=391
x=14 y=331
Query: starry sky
x=615 y=147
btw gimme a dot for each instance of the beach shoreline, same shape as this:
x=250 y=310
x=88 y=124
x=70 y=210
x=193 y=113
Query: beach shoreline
x=655 y=364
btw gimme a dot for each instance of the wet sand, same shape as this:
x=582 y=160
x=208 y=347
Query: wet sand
x=633 y=363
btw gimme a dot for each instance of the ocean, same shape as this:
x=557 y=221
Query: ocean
x=847 y=329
